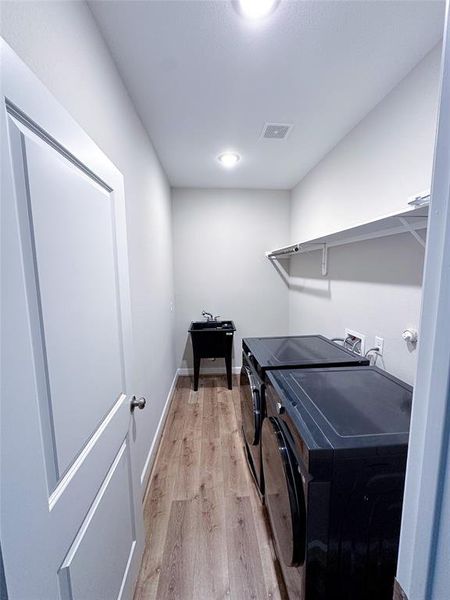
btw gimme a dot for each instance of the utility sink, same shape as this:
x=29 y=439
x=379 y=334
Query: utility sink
x=211 y=326
x=212 y=339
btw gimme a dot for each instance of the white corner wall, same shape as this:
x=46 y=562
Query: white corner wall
x=220 y=237
x=61 y=43
x=374 y=286
x=375 y=168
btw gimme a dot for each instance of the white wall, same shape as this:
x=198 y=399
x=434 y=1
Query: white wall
x=374 y=286
x=383 y=161
x=220 y=237
x=60 y=42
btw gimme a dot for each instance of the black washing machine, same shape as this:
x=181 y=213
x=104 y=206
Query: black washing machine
x=261 y=355
x=334 y=447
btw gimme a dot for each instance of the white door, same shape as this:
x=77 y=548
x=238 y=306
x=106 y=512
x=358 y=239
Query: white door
x=71 y=519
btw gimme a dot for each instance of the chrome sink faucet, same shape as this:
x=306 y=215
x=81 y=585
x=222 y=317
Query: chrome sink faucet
x=208 y=316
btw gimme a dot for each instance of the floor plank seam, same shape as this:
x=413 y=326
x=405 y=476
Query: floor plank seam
x=206 y=535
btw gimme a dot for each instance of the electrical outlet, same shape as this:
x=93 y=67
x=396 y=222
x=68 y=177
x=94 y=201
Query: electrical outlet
x=356 y=335
x=379 y=343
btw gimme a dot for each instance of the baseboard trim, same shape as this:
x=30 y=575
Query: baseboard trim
x=399 y=593
x=145 y=475
x=182 y=371
x=146 y=471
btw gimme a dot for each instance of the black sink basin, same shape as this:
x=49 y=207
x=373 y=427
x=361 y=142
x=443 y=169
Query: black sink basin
x=212 y=339
x=211 y=326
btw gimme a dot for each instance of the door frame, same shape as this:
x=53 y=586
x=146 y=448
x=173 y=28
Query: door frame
x=24 y=96
x=427 y=489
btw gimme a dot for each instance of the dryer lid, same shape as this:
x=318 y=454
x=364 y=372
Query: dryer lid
x=300 y=352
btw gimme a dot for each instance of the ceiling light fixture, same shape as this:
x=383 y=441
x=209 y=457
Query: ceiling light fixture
x=256 y=9
x=229 y=159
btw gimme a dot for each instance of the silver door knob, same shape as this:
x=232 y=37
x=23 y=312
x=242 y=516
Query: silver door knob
x=135 y=403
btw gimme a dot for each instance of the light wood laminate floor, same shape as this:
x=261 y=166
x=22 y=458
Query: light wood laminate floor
x=206 y=532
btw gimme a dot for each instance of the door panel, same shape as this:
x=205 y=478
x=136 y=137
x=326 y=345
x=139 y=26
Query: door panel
x=71 y=224
x=108 y=525
x=84 y=478
x=71 y=517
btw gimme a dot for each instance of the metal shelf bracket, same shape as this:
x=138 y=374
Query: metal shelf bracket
x=412 y=231
x=325 y=260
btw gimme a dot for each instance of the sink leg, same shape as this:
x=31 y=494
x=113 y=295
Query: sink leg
x=196 y=372
x=229 y=373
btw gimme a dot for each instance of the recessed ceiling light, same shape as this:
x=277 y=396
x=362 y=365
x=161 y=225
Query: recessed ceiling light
x=229 y=159
x=256 y=9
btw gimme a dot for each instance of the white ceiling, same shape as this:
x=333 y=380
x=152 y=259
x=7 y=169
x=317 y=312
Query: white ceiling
x=204 y=80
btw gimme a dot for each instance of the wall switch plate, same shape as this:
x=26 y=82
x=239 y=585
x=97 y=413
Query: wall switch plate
x=357 y=336
x=379 y=343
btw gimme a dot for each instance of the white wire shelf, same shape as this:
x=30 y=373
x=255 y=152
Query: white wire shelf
x=412 y=220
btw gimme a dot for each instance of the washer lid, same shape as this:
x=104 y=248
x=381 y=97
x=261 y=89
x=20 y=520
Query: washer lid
x=300 y=352
x=350 y=407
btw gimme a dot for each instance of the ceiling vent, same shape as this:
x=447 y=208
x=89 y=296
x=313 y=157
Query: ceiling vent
x=276 y=131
